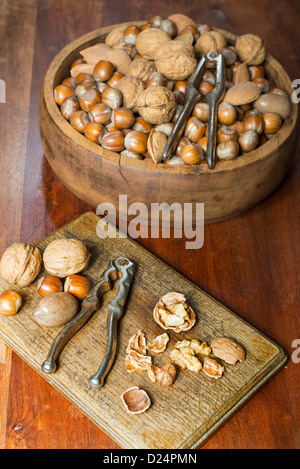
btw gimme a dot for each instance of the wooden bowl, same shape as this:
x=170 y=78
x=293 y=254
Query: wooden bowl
x=97 y=175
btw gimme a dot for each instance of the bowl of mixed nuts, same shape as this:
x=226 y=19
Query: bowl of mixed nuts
x=110 y=101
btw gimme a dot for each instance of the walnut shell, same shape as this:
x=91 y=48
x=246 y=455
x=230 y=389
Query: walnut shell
x=156 y=104
x=176 y=60
x=131 y=88
x=115 y=37
x=251 y=49
x=149 y=41
x=210 y=41
x=181 y=21
x=135 y=400
x=141 y=68
x=228 y=350
x=166 y=304
x=64 y=257
x=20 y=264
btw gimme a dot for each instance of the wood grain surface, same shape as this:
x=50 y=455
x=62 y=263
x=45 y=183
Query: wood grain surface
x=184 y=415
x=250 y=263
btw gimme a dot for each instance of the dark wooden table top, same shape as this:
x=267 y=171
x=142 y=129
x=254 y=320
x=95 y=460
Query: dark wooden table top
x=250 y=263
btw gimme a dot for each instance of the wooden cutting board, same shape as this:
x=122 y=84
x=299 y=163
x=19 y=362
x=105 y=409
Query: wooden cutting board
x=182 y=416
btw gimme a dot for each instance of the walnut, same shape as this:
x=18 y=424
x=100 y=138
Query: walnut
x=135 y=400
x=135 y=361
x=64 y=257
x=181 y=21
x=185 y=360
x=159 y=344
x=251 y=49
x=228 y=350
x=176 y=60
x=156 y=144
x=172 y=312
x=149 y=41
x=137 y=343
x=212 y=368
x=116 y=37
x=210 y=41
x=156 y=104
x=131 y=88
x=20 y=264
x=141 y=68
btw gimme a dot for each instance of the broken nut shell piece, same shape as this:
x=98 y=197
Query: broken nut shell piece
x=172 y=312
x=136 y=400
x=137 y=343
x=159 y=344
x=228 y=350
x=212 y=368
x=135 y=361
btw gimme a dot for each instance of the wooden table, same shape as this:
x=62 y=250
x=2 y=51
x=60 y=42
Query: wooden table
x=250 y=263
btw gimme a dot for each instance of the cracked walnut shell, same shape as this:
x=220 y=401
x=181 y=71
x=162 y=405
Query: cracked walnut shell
x=159 y=344
x=64 y=257
x=156 y=104
x=137 y=343
x=212 y=368
x=228 y=350
x=172 y=312
x=141 y=68
x=176 y=60
x=20 y=264
x=131 y=88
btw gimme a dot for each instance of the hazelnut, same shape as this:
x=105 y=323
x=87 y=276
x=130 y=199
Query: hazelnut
x=151 y=40
x=131 y=88
x=210 y=41
x=79 y=120
x=103 y=70
x=116 y=76
x=272 y=123
x=169 y=27
x=69 y=81
x=253 y=121
x=20 y=264
x=77 y=285
x=61 y=92
x=226 y=134
x=10 y=303
x=63 y=257
x=248 y=141
x=201 y=111
x=112 y=140
x=89 y=99
x=84 y=77
x=69 y=106
x=256 y=71
x=122 y=118
x=156 y=104
x=194 y=129
x=112 y=97
x=155 y=21
x=176 y=60
x=167 y=375
x=192 y=154
x=142 y=125
x=251 y=49
x=156 y=79
x=136 y=141
x=92 y=131
x=100 y=114
x=227 y=150
x=181 y=20
x=48 y=285
x=227 y=114
x=130 y=34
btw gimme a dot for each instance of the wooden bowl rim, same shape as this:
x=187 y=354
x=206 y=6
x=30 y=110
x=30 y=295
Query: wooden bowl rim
x=260 y=153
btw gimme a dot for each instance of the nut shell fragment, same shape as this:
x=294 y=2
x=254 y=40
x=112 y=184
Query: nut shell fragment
x=228 y=350
x=172 y=312
x=159 y=344
x=136 y=400
x=137 y=343
x=135 y=361
x=212 y=368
